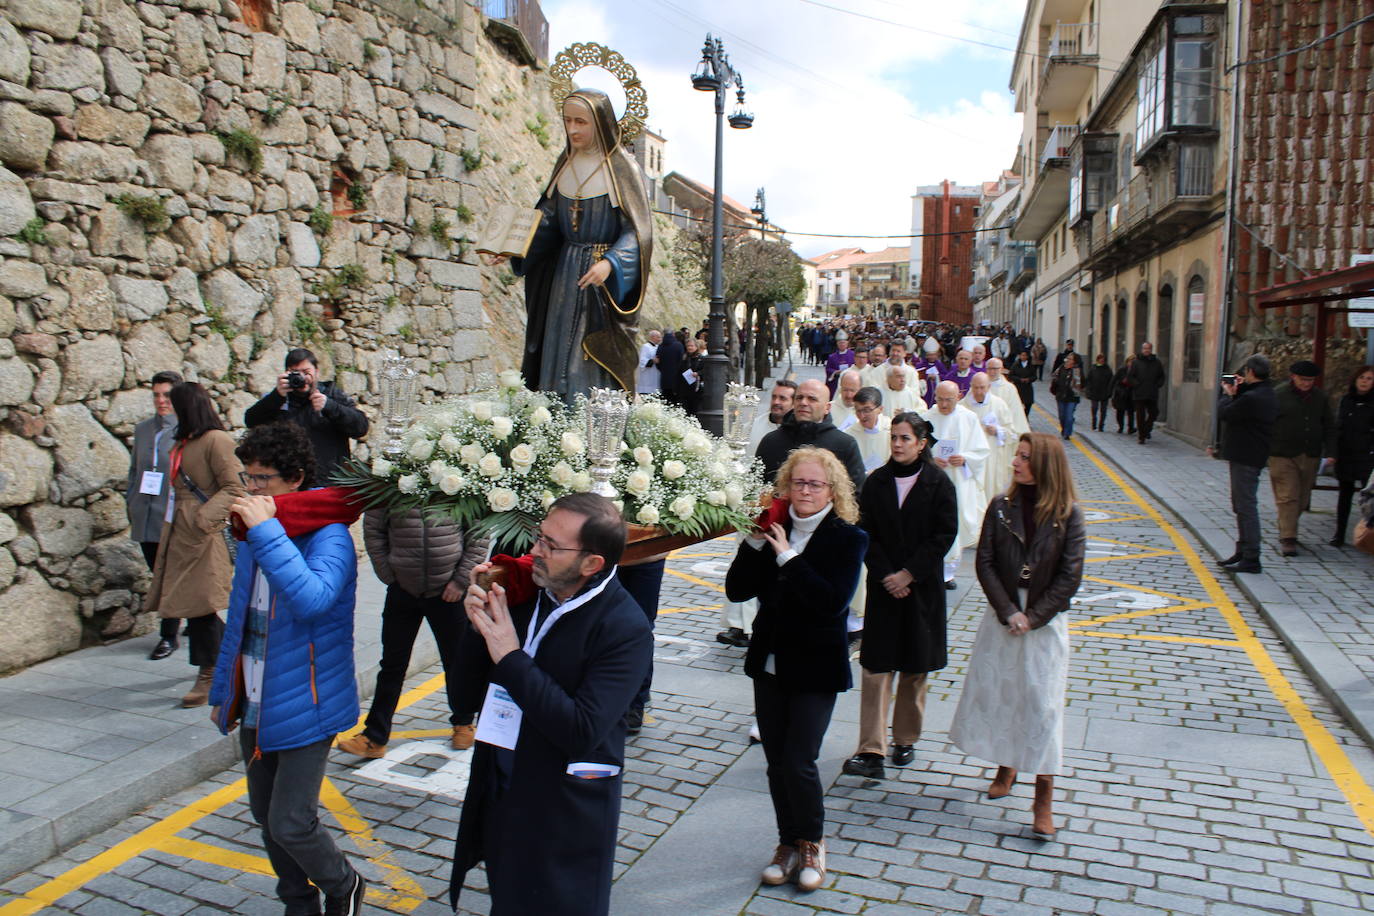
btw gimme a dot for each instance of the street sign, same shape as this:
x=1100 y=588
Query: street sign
x=1363 y=319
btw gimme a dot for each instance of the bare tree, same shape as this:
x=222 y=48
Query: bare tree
x=758 y=273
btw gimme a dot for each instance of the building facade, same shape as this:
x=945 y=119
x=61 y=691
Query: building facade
x=1002 y=268
x=942 y=249
x=881 y=287
x=833 y=280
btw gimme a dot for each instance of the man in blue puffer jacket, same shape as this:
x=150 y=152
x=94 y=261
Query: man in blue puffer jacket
x=285 y=669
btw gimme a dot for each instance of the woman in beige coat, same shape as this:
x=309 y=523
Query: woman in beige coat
x=192 y=576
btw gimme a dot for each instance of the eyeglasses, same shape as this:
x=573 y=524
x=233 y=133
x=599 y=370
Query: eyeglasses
x=812 y=485
x=542 y=542
x=255 y=480
x=866 y=411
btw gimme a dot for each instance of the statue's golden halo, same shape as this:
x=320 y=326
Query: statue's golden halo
x=590 y=54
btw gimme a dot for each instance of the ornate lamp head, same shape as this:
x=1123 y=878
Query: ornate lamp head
x=399 y=383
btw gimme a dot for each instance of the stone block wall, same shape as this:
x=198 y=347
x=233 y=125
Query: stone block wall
x=200 y=185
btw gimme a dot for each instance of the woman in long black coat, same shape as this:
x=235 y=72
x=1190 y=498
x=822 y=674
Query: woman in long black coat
x=910 y=512
x=1354 y=445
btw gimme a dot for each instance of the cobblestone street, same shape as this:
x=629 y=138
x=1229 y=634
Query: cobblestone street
x=1205 y=775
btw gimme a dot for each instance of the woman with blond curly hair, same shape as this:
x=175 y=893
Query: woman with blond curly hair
x=802 y=563
x=1030 y=564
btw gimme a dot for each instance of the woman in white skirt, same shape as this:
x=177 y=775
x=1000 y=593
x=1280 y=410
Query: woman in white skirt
x=1030 y=563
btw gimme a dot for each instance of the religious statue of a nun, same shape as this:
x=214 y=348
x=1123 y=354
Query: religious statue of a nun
x=588 y=265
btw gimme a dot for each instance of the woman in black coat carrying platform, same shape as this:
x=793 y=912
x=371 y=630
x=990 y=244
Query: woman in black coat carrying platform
x=802 y=564
x=911 y=516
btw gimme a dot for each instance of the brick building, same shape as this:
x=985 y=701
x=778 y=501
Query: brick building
x=1303 y=202
x=942 y=218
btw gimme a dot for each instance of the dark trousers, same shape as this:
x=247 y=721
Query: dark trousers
x=1146 y=412
x=284 y=796
x=1245 y=503
x=1027 y=393
x=202 y=636
x=1345 y=495
x=402 y=614
x=792 y=726
x=1099 y=412
x=170 y=626
x=1067 y=411
x=644 y=581
x=1125 y=419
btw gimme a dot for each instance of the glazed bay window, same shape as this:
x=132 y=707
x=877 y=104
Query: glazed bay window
x=1176 y=79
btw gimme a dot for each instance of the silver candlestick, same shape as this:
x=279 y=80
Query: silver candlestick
x=607 y=412
x=399 y=382
x=740 y=408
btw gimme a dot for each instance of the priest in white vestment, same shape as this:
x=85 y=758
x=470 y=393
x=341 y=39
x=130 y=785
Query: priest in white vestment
x=900 y=394
x=842 y=408
x=996 y=417
x=961 y=449
x=1000 y=387
x=873 y=429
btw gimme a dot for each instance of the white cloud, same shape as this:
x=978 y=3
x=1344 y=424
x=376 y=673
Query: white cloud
x=851 y=115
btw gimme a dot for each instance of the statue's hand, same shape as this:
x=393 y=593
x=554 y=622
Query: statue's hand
x=596 y=276
x=495 y=260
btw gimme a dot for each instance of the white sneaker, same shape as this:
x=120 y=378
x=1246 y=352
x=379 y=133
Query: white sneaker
x=784 y=863
x=811 y=870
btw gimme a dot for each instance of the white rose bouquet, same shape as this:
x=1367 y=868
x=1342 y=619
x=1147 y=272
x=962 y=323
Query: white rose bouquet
x=494 y=460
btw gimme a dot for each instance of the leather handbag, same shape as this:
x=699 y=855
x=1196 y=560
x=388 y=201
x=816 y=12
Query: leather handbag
x=1364 y=537
x=230 y=542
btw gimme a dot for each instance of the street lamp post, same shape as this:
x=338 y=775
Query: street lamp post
x=714 y=74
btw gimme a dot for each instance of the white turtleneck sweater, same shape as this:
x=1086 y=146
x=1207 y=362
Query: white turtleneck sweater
x=797 y=538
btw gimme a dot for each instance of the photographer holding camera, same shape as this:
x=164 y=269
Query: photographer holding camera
x=328 y=416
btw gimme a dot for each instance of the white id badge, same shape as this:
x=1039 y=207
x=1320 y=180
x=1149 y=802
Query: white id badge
x=499 y=723
x=171 y=505
x=151 y=484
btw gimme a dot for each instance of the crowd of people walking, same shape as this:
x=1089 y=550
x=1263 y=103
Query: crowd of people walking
x=881 y=475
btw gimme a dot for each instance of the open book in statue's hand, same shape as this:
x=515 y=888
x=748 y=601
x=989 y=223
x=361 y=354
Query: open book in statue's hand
x=509 y=231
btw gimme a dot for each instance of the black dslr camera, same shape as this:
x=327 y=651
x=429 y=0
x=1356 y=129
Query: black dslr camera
x=296 y=381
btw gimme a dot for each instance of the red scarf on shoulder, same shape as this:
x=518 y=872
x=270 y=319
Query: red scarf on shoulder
x=304 y=511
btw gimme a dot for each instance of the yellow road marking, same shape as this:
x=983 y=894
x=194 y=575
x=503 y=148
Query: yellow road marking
x=1131 y=556
x=1132 y=615
x=1334 y=759
x=1164 y=637
x=1134 y=587
x=405 y=894
x=411 y=696
x=675 y=555
x=75 y=877
x=423 y=733
x=1114 y=518
x=695 y=581
x=217 y=855
x=154 y=836
x=1098 y=537
x=680 y=610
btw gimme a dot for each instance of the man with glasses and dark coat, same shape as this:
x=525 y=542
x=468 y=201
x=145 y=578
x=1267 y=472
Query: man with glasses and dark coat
x=553 y=675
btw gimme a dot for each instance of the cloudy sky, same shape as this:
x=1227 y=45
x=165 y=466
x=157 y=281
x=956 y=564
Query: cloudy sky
x=851 y=113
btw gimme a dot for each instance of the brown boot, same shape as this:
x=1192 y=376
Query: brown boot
x=1042 y=826
x=1001 y=783
x=200 y=690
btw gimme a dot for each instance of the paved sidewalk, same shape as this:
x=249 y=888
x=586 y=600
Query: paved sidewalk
x=1320 y=603
x=92 y=737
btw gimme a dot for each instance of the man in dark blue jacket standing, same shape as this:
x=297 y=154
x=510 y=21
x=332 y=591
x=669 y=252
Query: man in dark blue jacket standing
x=285 y=669
x=558 y=670
x=1247 y=412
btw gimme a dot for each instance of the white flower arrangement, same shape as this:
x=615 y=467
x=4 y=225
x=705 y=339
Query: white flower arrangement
x=495 y=460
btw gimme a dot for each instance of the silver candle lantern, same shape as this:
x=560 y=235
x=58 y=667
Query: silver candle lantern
x=740 y=408
x=607 y=412
x=399 y=383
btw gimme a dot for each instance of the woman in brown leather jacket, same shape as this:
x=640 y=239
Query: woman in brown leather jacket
x=1030 y=563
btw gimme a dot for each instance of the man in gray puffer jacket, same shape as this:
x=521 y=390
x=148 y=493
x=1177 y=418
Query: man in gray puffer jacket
x=426 y=565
